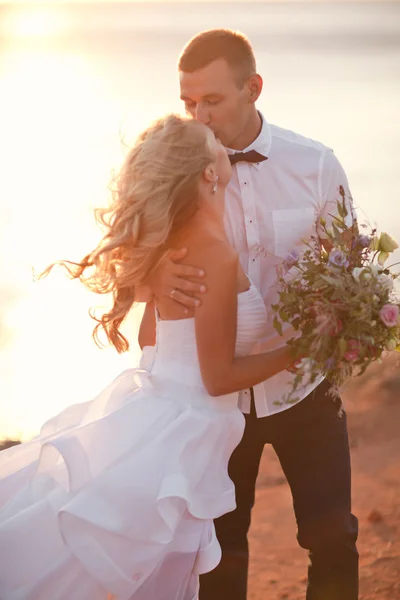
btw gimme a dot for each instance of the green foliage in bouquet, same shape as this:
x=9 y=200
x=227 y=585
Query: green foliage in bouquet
x=342 y=304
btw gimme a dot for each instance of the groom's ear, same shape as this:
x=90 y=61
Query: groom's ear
x=254 y=86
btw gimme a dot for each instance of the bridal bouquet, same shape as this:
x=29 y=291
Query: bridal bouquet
x=342 y=304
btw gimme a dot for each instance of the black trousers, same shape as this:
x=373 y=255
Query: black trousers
x=311 y=441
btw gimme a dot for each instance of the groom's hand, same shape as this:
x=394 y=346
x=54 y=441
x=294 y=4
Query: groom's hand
x=175 y=280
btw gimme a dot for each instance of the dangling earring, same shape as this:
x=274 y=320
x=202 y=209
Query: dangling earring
x=215 y=186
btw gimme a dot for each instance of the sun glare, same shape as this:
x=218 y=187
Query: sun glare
x=35 y=22
x=59 y=142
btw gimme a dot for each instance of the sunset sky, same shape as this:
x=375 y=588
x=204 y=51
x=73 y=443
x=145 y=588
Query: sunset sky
x=68 y=103
x=183 y=1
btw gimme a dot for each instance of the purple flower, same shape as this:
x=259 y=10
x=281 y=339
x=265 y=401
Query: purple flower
x=389 y=315
x=338 y=258
x=291 y=260
x=363 y=241
x=330 y=363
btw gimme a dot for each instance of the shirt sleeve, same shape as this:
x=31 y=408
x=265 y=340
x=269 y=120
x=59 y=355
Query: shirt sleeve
x=333 y=181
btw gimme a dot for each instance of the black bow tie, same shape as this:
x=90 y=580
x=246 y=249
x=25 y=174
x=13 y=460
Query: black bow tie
x=252 y=156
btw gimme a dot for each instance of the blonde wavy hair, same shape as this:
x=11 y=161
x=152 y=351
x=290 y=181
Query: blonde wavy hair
x=154 y=196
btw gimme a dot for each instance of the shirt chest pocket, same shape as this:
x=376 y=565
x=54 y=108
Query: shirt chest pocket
x=290 y=226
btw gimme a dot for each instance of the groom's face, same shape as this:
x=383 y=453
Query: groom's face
x=214 y=96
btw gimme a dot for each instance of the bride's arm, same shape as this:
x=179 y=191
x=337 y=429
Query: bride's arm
x=215 y=321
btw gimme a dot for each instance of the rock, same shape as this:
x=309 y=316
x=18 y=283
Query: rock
x=375 y=516
x=7 y=443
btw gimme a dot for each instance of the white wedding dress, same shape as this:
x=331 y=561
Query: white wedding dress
x=116 y=497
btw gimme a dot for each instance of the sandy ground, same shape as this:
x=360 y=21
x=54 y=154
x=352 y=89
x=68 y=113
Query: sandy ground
x=278 y=565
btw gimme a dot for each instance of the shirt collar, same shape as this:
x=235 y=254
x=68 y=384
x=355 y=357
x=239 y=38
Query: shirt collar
x=261 y=144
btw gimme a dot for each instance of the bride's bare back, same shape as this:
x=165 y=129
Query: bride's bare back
x=207 y=248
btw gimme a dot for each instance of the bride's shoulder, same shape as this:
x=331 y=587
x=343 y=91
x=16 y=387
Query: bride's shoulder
x=207 y=247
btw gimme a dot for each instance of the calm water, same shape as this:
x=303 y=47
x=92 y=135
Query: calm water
x=75 y=83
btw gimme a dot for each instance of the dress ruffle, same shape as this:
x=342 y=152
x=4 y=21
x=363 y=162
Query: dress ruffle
x=114 y=489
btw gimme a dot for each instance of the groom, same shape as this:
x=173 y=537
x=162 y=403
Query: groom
x=282 y=183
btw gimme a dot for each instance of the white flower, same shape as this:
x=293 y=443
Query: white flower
x=386 y=282
x=370 y=271
x=375 y=270
x=363 y=273
x=356 y=272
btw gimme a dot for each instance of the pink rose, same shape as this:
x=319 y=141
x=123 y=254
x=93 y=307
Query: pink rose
x=353 y=350
x=389 y=315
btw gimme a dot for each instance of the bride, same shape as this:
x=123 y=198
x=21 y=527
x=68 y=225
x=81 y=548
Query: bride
x=115 y=498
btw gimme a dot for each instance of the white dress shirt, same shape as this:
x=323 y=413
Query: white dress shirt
x=269 y=208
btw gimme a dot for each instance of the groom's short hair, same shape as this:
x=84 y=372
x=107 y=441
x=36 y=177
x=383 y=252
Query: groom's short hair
x=208 y=46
